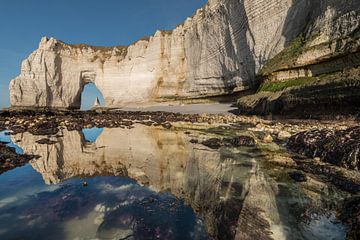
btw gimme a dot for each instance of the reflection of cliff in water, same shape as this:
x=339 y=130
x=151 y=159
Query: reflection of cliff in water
x=213 y=182
x=226 y=187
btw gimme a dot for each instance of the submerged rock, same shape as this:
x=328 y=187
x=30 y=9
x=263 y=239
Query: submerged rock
x=216 y=143
x=240 y=141
x=298 y=176
x=213 y=143
x=350 y=215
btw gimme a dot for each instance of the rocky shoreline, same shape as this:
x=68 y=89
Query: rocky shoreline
x=337 y=147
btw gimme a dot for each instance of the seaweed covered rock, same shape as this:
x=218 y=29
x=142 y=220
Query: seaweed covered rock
x=351 y=216
x=238 y=141
x=9 y=159
x=340 y=148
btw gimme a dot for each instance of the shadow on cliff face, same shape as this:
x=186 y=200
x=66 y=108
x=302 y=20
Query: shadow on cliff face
x=231 y=48
x=54 y=86
x=303 y=14
x=239 y=35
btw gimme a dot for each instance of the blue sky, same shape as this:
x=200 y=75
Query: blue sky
x=95 y=22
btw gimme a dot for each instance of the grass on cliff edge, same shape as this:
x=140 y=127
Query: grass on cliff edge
x=350 y=74
x=279 y=86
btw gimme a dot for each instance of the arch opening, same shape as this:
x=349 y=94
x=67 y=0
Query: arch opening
x=91 y=97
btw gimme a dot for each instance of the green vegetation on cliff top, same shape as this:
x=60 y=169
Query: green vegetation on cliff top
x=349 y=76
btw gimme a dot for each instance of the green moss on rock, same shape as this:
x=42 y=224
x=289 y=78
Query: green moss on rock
x=286 y=58
x=279 y=86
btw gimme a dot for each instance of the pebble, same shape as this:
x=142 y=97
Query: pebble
x=268 y=138
x=283 y=135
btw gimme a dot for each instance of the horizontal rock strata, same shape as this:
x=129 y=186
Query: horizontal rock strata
x=217 y=51
x=318 y=72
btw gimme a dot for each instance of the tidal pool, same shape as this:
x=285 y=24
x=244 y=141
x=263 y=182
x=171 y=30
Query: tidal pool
x=153 y=183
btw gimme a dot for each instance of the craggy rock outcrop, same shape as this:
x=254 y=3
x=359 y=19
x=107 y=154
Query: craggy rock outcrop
x=331 y=95
x=340 y=148
x=217 y=51
x=318 y=72
x=351 y=216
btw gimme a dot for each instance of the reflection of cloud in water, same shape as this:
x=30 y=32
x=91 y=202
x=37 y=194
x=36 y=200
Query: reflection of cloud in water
x=161 y=159
x=227 y=188
x=74 y=211
x=6 y=201
x=110 y=188
x=323 y=227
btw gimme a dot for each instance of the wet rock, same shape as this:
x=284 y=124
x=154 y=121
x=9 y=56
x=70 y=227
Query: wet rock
x=336 y=175
x=298 y=176
x=46 y=141
x=240 y=141
x=45 y=128
x=9 y=159
x=338 y=147
x=167 y=125
x=46 y=122
x=350 y=215
x=213 y=143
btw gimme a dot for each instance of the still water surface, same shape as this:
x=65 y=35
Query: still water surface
x=153 y=183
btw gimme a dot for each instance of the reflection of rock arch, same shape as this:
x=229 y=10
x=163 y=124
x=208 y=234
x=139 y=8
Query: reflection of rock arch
x=164 y=160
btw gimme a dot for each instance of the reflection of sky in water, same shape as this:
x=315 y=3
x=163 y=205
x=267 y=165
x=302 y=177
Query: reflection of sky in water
x=119 y=208
x=91 y=134
x=7 y=138
x=109 y=208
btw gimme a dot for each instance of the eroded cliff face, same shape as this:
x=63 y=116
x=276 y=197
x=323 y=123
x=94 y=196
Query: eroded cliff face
x=317 y=74
x=217 y=51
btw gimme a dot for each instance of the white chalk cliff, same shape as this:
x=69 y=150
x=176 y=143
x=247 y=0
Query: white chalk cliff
x=217 y=51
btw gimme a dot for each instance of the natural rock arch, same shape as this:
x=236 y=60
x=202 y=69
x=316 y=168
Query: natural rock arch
x=86 y=77
x=217 y=51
